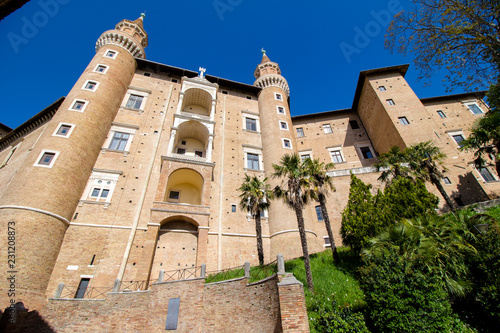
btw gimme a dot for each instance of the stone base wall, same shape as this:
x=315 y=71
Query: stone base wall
x=229 y=306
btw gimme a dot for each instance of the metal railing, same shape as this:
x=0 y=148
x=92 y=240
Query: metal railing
x=225 y=274
x=90 y=293
x=258 y=273
x=181 y=274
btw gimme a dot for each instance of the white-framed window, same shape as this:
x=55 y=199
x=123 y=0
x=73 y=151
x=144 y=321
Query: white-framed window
x=63 y=130
x=134 y=102
x=327 y=241
x=9 y=156
x=135 y=99
x=366 y=151
x=403 y=121
x=78 y=105
x=446 y=180
x=305 y=154
x=120 y=137
x=46 y=158
x=300 y=132
x=90 y=85
x=474 y=107
x=280 y=110
x=457 y=136
x=486 y=175
x=101 y=186
x=441 y=113
x=101 y=69
x=319 y=213
x=251 y=124
x=336 y=155
x=390 y=102
x=283 y=125
x=382 y=88
x=253 y=161
x=327 y=128
x=287 y=143
x=99 y=193
x=253 y=158
x=278 y=97
x=111 y=54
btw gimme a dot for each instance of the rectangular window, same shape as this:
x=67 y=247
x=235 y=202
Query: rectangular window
x=458 y=139
x=90 y=85
x=111 y=54
x=446 y=180
x=337 y=156
x=327 y=241
x=78 y=105
x=390 y=102
x=486 y=174
x=101 y=69
x=287 y=143
x=404 y=121
x=300 y=132
x=198 y=153
x=99 y=193
x=119 y=141
x=46 y=158
x=174 y=195
x=134 y=102
x=63 y=130
x=251 y=124
x=305 y=157
x=441 y=113
x=283 y=125
x=278 y=97
x=181 y=151
x=382 y=88
x=252 y=161
x=82 y=288
x=327 y=128
x=474 y=108
x=354 y=124
x=366 y=152
x=281 y=110
x=233 y=208
x=319 y=213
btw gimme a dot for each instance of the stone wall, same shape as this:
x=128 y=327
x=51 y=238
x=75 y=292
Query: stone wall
x=229 y=306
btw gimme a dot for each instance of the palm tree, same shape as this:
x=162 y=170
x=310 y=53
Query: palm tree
x=393 y=164
x=255 y=198
x=442 y=244
x=485 y=140
x=321 y=185
x=294 y=191
x=424 y=160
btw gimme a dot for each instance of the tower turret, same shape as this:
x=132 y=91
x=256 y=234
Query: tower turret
x=44 y=193
x=277 y=140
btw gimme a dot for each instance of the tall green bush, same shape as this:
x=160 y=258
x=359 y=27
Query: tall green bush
x=405 y=296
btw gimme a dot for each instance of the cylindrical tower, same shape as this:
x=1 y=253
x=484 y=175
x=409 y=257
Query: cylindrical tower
x=43 y=195
x=277 y=140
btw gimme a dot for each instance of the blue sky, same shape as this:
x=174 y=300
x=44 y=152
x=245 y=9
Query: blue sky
x=47 y=44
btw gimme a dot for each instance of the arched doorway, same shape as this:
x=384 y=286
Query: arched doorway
x=177 y=245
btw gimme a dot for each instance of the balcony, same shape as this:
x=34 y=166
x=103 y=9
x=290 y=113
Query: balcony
x=196 y=116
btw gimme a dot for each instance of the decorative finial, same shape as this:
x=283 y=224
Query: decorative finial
x=202 y=71
x=263 y=51
x=143 y=15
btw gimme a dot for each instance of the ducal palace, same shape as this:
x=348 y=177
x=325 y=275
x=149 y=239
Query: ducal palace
x=137 y=169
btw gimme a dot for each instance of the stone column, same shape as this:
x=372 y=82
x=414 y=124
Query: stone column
x=179 y=106
x=209 y=148
x=171 y=142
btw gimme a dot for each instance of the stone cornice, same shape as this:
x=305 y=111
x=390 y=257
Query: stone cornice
x=123 y=40
x=273 y=80
x=32 y=124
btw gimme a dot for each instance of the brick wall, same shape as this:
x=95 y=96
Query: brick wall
x=229 y=306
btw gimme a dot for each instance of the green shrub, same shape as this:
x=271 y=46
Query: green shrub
x=404 y=296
